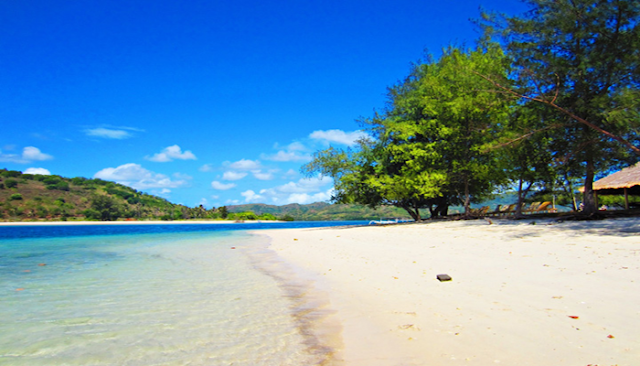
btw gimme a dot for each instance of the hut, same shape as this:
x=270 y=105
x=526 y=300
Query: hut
x=625 y=182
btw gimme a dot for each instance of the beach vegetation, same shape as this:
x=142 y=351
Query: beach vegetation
x=429 y=145
x=267 y=217
x=287 y=218
x=578 y=60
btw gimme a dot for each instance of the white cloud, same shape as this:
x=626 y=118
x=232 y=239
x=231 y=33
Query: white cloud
x=244 y=164
x=305 y=185
x=251 y=196
x=302 y=191
x=284 y=156
x=258 y=174
x=108 y=133
x=172 y=153
x=135 y=176
x=29 y=154
x=296 y=146
x=294 y=152
x=37 y=171
x=182 y=176
x=290 y=174
x=206 y=168
x=33 y=153
x=230 y=175
x=304 y=198
x=161 y=192
x=221 y=186
x=338 y=136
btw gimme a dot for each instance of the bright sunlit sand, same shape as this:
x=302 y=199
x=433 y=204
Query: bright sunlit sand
x=522 y=292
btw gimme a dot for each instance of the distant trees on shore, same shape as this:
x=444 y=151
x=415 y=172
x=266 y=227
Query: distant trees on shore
x=547 y=99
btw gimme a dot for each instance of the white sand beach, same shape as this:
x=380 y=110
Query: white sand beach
x=521 y=293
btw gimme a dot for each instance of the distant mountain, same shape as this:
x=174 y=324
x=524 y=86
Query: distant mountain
x=322 y=211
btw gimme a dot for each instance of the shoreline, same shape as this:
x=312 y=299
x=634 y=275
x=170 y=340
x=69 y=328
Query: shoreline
x=529 y=292
x=309 y=301
x=150 y=222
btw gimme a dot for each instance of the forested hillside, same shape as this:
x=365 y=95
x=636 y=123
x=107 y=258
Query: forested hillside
x=52 y=197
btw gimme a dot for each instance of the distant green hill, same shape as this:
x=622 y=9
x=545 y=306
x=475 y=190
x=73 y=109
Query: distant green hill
x=25 y=197
x=321 y=211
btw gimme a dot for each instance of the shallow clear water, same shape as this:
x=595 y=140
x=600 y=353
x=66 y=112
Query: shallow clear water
x=149 y=296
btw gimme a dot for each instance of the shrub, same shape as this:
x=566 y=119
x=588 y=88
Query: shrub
x=248 y=215
x=49 y=179
x=11 y=173
x=91 y=214
x=63 y=186
x=11 y=183
x=16 y=197
x=267 y=216
x=287 y=218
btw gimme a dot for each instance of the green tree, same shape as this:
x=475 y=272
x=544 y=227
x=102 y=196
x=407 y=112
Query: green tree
x=579 y=58
x=429 y=144
x=524 y=152
x=267 y=216
x=106 y=207
x=223 y=212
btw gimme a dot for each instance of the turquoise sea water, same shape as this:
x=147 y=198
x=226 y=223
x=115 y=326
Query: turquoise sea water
x=145 y=295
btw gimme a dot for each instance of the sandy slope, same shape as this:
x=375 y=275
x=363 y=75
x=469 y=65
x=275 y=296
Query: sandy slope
x=522 y=294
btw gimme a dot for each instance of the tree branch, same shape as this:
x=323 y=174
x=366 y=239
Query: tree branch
x=564 y=111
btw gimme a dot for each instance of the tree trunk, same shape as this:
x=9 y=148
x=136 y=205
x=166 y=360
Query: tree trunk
x=588 y=198
x=413 y=212
x=467 y=198
x=518 y=212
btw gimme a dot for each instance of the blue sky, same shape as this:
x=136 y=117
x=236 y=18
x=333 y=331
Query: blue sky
x=207 y=102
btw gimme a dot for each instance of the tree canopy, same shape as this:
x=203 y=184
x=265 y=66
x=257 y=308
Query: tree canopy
x=549 y=96
x=578 y=58
x=428 y=147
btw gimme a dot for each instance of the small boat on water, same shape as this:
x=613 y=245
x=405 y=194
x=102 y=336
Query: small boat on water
x=387 y=221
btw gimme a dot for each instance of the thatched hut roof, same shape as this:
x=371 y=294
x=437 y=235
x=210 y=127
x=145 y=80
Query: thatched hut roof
x=616 y=183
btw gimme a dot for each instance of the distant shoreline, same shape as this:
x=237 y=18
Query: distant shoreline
x=154 y=222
